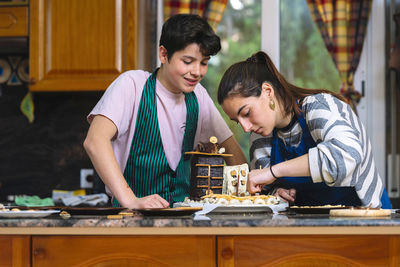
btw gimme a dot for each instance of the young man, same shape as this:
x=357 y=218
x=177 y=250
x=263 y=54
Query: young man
x=143 y=124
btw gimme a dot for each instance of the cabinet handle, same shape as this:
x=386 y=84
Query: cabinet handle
x=39 y=253
x=393 y=174
x=227 y=253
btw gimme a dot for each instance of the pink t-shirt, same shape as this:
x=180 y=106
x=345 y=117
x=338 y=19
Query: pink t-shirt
x=120 y=104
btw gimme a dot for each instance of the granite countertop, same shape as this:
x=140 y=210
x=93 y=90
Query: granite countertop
x=212 y=224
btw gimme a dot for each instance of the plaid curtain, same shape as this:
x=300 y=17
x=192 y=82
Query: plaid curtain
x=343 y=25
x=211 y=10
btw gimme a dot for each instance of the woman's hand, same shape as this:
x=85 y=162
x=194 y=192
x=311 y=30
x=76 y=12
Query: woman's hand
x=289 y=195
x=151 y=201
x=258 y=178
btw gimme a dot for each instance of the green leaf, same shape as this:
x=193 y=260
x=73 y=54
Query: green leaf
x=27 y=107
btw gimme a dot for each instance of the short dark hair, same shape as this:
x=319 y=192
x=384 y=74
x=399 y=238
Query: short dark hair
x=182 y=30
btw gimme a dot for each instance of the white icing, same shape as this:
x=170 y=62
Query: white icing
x=235 y=180
x=247 y=202
x=234 y=202
x=259 y=201
x=222 y=201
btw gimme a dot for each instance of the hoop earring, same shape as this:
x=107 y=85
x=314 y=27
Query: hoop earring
x=272 y=104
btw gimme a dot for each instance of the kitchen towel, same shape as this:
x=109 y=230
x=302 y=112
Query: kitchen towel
x=33 y=201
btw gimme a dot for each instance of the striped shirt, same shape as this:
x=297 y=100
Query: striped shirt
x=343 y=155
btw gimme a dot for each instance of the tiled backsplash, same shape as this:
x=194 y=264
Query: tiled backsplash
x=14 y=70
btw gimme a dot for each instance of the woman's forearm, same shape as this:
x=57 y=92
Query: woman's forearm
x=292 y=168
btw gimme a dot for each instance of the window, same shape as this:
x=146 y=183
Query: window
x=240 y=33
x=304 y=60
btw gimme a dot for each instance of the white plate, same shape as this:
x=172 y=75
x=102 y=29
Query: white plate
x=27 y=213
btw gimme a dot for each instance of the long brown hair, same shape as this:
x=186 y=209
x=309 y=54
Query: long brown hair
x=245 y=78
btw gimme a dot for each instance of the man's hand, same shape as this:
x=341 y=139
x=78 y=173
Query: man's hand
x=152 y=201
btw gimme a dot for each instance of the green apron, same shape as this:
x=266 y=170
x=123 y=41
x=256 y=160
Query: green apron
x=147 y=170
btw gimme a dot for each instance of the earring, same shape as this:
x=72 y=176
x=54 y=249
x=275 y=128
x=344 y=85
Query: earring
x=272 y=104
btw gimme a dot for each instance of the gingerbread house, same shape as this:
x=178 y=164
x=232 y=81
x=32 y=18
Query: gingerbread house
x=207 y=169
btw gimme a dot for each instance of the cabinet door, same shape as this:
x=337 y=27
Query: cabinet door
x=308 y=251
x=129 y=251
x=15 y=251
x=81 y=45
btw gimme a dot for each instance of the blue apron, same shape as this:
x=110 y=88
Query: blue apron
x=309 y=193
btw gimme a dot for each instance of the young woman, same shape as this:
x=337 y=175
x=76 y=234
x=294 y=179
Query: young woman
x=307 y=145
x=144 y=122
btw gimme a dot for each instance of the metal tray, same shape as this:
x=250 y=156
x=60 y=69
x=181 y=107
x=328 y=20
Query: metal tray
x=179 y=211
x=242 y=209
x=314 y=210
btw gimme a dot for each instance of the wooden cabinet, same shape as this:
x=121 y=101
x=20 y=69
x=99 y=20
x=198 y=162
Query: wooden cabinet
x=15 y=251
x=13 y=21
x=81 y=45
x=200 y=250
x=308 y=250
x=123 y=251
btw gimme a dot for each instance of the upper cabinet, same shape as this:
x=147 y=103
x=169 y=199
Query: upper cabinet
x=80 y=45
x=13 y=21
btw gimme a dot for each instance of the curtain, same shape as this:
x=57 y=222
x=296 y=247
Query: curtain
x=343 y=25
x=211 y=10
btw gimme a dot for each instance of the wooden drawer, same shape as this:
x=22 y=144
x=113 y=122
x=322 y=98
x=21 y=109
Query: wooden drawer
x=13 y=21
x=193 y=251
x=15 y=251
x=308 y=250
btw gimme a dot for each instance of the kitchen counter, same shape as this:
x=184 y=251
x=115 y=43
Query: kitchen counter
x=217 y=240
x=225 y=224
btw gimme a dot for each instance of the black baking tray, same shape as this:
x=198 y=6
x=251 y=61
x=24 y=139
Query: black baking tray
x=178 y=211
x=93 y=210
x=314 y=210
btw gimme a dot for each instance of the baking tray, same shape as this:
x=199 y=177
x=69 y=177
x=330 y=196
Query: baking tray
x=179 y=211
x=314 y=210
x=242 y=209
x=93 y=210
